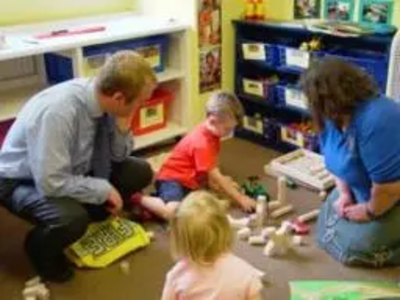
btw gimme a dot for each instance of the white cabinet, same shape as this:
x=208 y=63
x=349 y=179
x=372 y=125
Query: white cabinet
x=22 y=71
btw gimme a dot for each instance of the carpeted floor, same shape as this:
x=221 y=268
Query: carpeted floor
x=149 y=266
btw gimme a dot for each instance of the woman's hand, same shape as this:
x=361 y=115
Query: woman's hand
x=342 y=203
x=357 y=213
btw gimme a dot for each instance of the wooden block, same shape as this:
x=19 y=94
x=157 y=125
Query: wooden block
x=33 y=291
x=270 y=249
x=244 y=233
x=322 y=195
x=282 y=192
x=309 y=216
x=257 y=240
x=151 y=235
x=43 y=294
x=299 y=240
x=274 y=205
x=32 y=282
x=267 y=231
x=282 y=211
x=238 y=223
x=125 y=267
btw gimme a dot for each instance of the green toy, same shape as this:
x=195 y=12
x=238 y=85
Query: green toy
x=253 y=188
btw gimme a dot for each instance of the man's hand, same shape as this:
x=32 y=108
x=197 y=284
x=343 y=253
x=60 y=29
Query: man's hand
x=341 y=203
x=357 y=213
x=247 y=204
x=114 y=202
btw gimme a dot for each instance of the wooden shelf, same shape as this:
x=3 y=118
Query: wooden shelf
x=11 y=101
x=172 y=130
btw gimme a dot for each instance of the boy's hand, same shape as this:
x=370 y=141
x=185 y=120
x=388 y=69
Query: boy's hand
x=247 y=204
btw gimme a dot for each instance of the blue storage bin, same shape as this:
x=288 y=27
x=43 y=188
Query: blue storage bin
x=60 y=68
x=373 y=63
x=290 y=95
x=258 y=52
x=295 y=59
x=154 y=49
x=259 y=128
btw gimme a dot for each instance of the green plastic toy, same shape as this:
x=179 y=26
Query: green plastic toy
x=253 y=188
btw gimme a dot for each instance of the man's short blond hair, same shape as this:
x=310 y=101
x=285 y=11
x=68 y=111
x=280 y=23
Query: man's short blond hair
x=200 y=230
x=225 y=104
x=126 y=72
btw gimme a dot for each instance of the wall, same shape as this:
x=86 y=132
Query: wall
x=232 y=9
x=28 y=11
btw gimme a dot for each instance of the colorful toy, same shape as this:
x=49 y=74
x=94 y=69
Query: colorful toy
x=313 y=45
x=253 y=188
x=259 y=10
x=250 y=10
x=254 y=10
x=299 y=227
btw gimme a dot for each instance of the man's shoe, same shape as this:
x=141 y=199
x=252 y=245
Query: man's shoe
x=54 y=269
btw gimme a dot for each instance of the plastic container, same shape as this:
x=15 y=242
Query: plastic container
x=59 y=68
x=152 y=115
x=296 y=59
x=258 y=52
x=290 y=95
x=260 y=88
x=153 y=49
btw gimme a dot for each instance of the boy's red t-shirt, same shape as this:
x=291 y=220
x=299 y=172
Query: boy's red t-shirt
x=192 y=158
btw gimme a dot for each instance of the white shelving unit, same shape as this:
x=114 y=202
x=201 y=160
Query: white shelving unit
x=21 y=45
x=11 y=101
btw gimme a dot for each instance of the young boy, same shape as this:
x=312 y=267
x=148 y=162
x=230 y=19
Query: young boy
x=193 y=163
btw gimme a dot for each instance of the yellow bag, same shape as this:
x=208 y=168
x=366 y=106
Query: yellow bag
x=106 y=242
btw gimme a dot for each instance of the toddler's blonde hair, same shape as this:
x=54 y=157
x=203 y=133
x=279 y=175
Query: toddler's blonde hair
x=200 y=230
x=225 y=104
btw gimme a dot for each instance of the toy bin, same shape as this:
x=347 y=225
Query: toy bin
x=152 y=115
x=153 y=49
x=295 y=59
x=290 y=95
x=59 y=68
x=260 y=88
x=373 y=63
x=254 y=124
x=4 y=127
x=258 y=52
x=291 y=134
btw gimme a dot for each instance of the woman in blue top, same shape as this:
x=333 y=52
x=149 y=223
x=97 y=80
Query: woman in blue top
x=359 y=224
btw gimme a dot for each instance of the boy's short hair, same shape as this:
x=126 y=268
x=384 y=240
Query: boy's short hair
x=200 y=230
x=225 y=104
x=126 y=72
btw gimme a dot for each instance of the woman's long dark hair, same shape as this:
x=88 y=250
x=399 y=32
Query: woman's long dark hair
x=334 y=88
